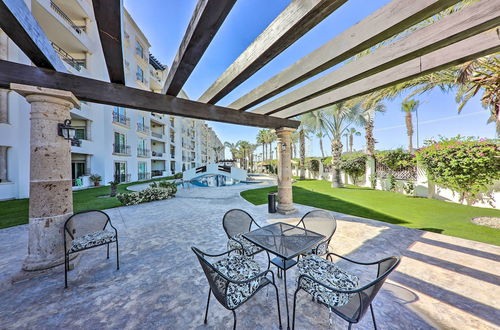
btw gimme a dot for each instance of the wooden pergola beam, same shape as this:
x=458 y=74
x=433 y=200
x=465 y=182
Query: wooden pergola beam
x=19 y=24
x=207 y=18
x=470 y=21
x=108 y=15
x=477 y=46
x=98 y=91
x=393 y=18
x=298 y=18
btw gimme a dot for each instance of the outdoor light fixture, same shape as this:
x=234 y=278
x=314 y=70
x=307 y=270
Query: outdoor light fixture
x=283 y=147
x=66 y=131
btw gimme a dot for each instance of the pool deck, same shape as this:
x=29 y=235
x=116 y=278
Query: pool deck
x=442 y=282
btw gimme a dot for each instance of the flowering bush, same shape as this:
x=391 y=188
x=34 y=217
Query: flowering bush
x=464 y=165
x=397 y=159
x=171 y=186
x=354 y=165
x=147 y=195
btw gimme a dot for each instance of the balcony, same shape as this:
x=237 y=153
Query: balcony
x=157 y=153
x=121 y=149
x=123 y=177
x=78 y=28
x=73 y=62
x=157 y=135
x=157 y=173
x=143 y=176
x=142 y=128
x=143 y=152
x=121 y=119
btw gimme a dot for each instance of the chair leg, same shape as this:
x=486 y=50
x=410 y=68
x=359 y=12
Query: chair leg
x=294 y=304
x=234 y=315
x=107 y=256
x=350 y=326
x=278 y=303
x=208 y=303
x=373 y=317
x=268 y=260
x=66 y=271
x=117 y=257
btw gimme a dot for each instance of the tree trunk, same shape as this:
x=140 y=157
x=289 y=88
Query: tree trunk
x=302 y=140
x=321 y=147
x=336 y=162
x=351 y=142
x=409 y=130
x=370 y=140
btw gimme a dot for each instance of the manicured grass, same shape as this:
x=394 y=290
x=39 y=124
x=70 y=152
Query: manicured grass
x=15 y=212
x=422 y=213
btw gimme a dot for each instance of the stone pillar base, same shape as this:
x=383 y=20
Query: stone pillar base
x=46 y=251
x=286 y=209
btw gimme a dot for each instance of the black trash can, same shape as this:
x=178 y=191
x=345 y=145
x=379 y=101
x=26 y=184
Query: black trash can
x=271 y=202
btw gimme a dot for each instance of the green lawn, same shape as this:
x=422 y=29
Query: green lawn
x=427 y=214
x=15 y=212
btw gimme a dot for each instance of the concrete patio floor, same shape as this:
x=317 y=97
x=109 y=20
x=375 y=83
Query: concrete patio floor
x=442 y=282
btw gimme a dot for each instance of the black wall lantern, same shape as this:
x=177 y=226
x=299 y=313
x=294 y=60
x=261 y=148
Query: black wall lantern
x=69 y=133
x=283 y=147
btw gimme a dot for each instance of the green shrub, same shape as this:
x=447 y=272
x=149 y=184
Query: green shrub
x=391 y=182
x=170 y=186
x=313 y=165
x=409 y=188
x=464 y=165
x=354 y=165
x=147 y=195
x=397 y=159
x=177 y=176
x=373 y=181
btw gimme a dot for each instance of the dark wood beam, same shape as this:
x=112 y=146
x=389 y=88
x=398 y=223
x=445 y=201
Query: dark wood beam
x=477 y=46
x=98 y=91
x=297 y=19
x=19 y=24
x=470 y=21
x=393 y=18
x=108 y=16
x=207 y=18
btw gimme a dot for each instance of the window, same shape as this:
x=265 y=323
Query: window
x=139 y=75
x=120 y=146
x=81 y=133
x=172 y=167
x=139 y=50
x=172 y=151
x=119 y=115
x=142 y=171
x=121 y=172
x=3 y=164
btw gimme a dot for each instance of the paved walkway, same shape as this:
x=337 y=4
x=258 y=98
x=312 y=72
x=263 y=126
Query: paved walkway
x=442 y=282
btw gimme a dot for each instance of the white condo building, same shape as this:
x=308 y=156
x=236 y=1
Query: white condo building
x=116 y=143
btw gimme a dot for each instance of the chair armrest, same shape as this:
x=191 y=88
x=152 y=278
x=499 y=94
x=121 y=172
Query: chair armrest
x=260 y=275
x=328 y=257
x=220 y=254
x=326 y=285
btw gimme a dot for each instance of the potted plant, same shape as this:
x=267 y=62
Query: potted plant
x=114 y=186
x=96 y=179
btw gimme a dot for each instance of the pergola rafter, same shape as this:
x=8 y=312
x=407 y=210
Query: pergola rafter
x=477 y=46
x=393 y=18
x=292 y=23
x=108 y=15
x=19 y=24
x=472 y=20
x=207 y=18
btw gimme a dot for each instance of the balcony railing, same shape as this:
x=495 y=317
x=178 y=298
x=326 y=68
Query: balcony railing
x=77 y=64
x=143 y=176
x=121 y=119
x=157 y=153
x=157 y=172
x=142 y=152
x=62 y=14
x=121 y=149
x=122 y=177
x=142 y=128
x=157 y=135
x=172 y=155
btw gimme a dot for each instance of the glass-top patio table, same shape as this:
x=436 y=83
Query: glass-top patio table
x=286 y=242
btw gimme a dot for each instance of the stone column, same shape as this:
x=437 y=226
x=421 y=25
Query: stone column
x=285 y=196
x=51 y=198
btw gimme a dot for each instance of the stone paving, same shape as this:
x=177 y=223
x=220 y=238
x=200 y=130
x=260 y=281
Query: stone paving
x=442 y=282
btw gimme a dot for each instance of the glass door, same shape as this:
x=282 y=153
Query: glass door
x=120 y=171
x=77 y=171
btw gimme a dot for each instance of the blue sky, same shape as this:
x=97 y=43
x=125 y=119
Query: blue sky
x=164 y=23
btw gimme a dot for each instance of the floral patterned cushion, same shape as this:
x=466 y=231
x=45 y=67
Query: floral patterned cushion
x=328 y=273
x=238 y=268
x=238 y=241
x=92 y=239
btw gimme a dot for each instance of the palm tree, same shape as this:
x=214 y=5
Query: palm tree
x=369 y=111
x=313 y=122
x=217 y=151
x=352 y=132
x=335 y=120
x=233 y=149
x=294 y=141
x=261 y=138
x=346 y=135
x=408 y=107
x=244 y=148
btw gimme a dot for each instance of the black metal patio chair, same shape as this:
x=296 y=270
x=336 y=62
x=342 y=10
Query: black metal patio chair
x=237 y=222
x=338 y=289
x=234 y=279
x=321 y=222
x=86 y=230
